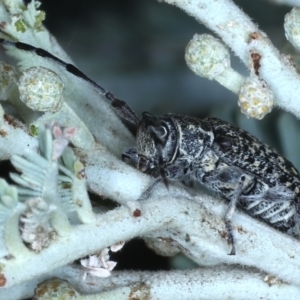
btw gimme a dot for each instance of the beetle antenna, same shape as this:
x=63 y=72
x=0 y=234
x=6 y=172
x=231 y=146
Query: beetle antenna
x=121 y=107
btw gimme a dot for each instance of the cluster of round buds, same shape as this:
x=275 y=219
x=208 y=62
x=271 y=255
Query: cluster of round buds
x=292 y=27
x=35 y=224
x=41 y=89
x=255 y=98
x=208 y=57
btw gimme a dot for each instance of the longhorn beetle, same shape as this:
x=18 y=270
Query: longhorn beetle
x=224 y=158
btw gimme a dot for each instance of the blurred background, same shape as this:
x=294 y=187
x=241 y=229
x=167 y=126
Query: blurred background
x=136 y=50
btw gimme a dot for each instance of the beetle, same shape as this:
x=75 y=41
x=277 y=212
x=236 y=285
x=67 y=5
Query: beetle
x=222 y=157
x=225 y=159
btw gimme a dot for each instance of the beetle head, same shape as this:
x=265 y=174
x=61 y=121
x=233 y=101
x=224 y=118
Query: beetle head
x=157 y=144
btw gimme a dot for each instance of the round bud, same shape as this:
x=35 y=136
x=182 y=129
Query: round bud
x=207 y=56
x=292 y=27
x=41 y=89
x=255 y=98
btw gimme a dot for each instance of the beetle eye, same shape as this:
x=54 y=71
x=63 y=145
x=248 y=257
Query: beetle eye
x=143 y=163
x=159 y=133
x=162 y=132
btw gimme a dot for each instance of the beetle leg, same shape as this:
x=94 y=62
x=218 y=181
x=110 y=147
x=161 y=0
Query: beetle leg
x=229 y=213
x=146 y=194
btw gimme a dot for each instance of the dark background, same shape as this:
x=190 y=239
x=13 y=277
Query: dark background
x=136 y=49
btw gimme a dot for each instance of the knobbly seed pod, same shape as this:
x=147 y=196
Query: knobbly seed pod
x=208 y=57
x=292 y=27
x=255 y=98
x=41 y=89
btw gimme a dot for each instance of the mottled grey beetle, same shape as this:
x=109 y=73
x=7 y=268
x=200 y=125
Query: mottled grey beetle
x=224 y=158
